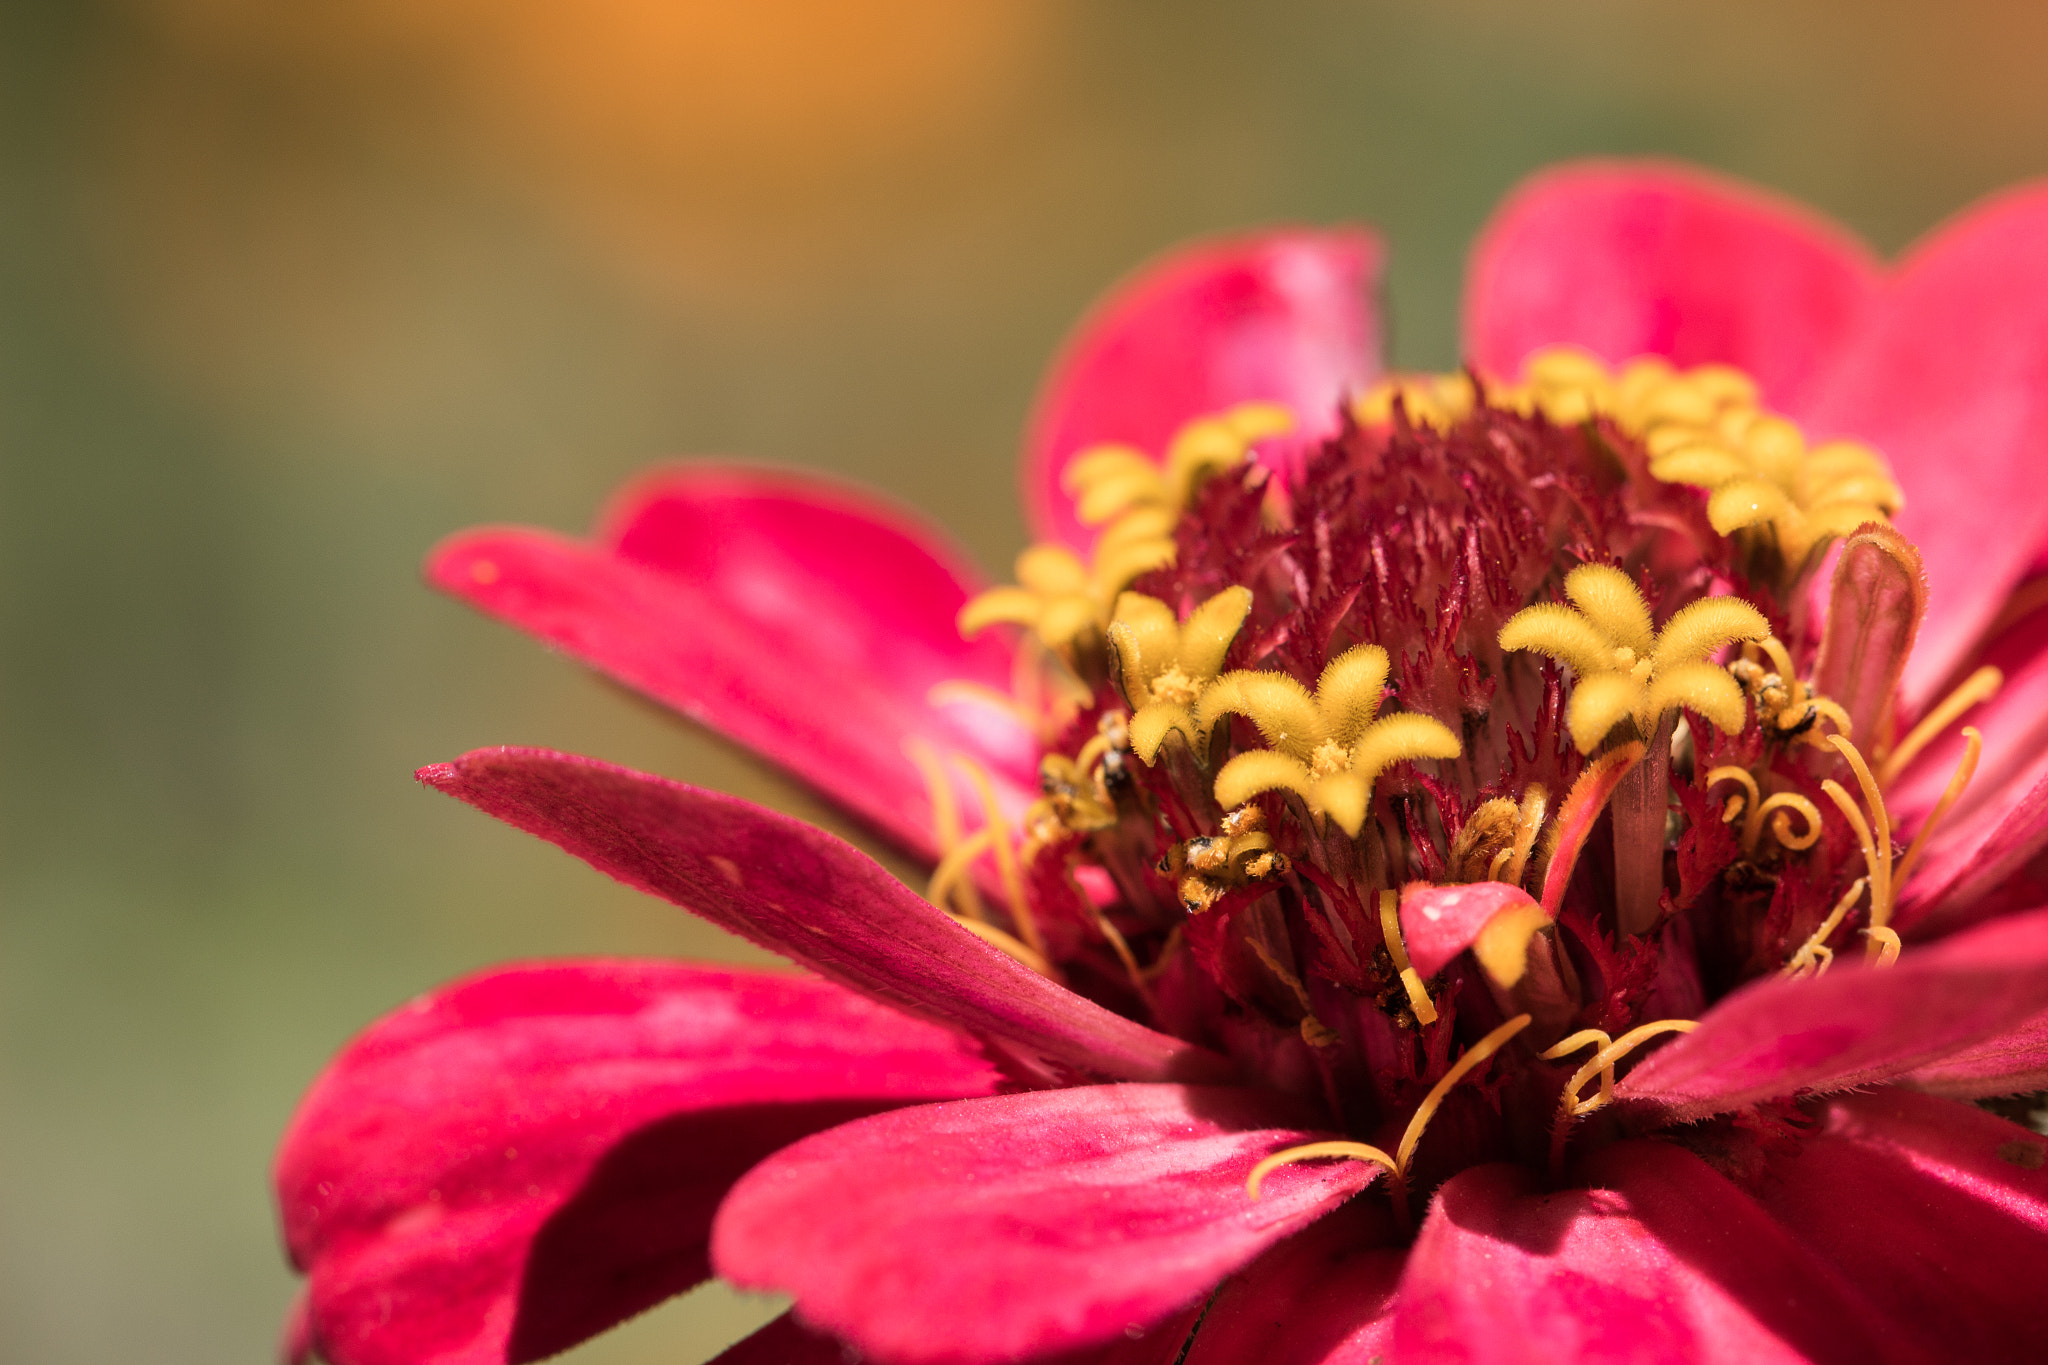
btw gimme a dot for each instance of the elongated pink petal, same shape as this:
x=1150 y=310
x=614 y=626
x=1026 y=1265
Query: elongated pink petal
x=1002 y=1229
x=2013 y=1060
x=1968 y=862
x=1439 y=922
x=1662 y=1262
x=1285 y=316
x=1935 y=1209
x=1950 y=380
x=800 y=618
x=1322 y=1297
x=1627 y=258
x=522 y=1159
x=1854 y=1026
x=799 y=891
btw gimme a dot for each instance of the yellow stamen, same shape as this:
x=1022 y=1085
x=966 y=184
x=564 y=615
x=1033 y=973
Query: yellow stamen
x=947 y=882
x=1814 y=955
x=1601 y=1063
x=1973 y=746
x=1006 y=856
x=957 y=690
x=949 y=879
x=1390 y=925
x=1884 y=946
x=1474 y=1055
x=1569 y=1106
x=1784 y=803
x=1310 y=1151
x=1397 y=1166
x=1873 y=835
x=1980 y=686
x=1622 y=670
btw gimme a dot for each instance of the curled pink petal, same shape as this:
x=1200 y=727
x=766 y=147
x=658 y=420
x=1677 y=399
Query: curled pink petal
x=1949 y=379
x=1322 y=1297
x=1284 y=316
x=1627 y=258
x=1853 y=1026
x=522 y=1159
x=806 y=621
x=1935 y=1209
x=1661 y=1261
x=799 y=891
x=1021 y=1225
x=1439 y=922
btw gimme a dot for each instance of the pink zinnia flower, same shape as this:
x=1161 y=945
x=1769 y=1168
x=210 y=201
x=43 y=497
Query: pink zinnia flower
x=1483 y=867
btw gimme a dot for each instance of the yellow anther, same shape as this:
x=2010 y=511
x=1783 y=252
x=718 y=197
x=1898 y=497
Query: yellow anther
x=1138 y=502
x=1440 y=401
x=1703 y=427
x=1980 y=686
x=1814 y=956
x=1784 y=703
x=1057 y=598
x=1419 y=1003
x=1162 y=664
x=1328 y=747
x=1535 y=802
x=1624 y=670
x=1398 y=1165
x=1758 y=806
x=1112 y=481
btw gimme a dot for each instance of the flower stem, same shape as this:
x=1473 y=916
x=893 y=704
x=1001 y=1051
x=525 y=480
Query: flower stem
x=1639 y=807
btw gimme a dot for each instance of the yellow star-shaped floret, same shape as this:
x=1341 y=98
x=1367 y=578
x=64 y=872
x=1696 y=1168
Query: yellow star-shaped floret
x=1064 y=601
x=1162 y=664
x=1625 y=669
x=1328 y=747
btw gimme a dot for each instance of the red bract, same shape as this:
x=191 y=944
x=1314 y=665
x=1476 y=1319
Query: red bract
x=1322 y=859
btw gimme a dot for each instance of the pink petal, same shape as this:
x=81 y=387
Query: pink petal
x=2013 y=1061
x=1627 y=258
x=1854 y=1026
x=1966 y=862
x=1439 y=922
x=1663 y=1262
x=1935 y=1209
x=1006 y=1228
x=522 y=1159
x=1322 y=1297
x=798 y=617
x=1950 y=380
x=797 y=890
x=1277 y=316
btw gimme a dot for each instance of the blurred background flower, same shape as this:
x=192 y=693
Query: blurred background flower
x=289 y=290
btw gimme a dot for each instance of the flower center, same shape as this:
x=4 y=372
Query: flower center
x=1302 y=743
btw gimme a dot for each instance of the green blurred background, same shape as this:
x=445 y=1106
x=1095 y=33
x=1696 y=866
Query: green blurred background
x=289 y=288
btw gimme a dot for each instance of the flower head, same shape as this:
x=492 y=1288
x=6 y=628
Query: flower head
x=1520 y=863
